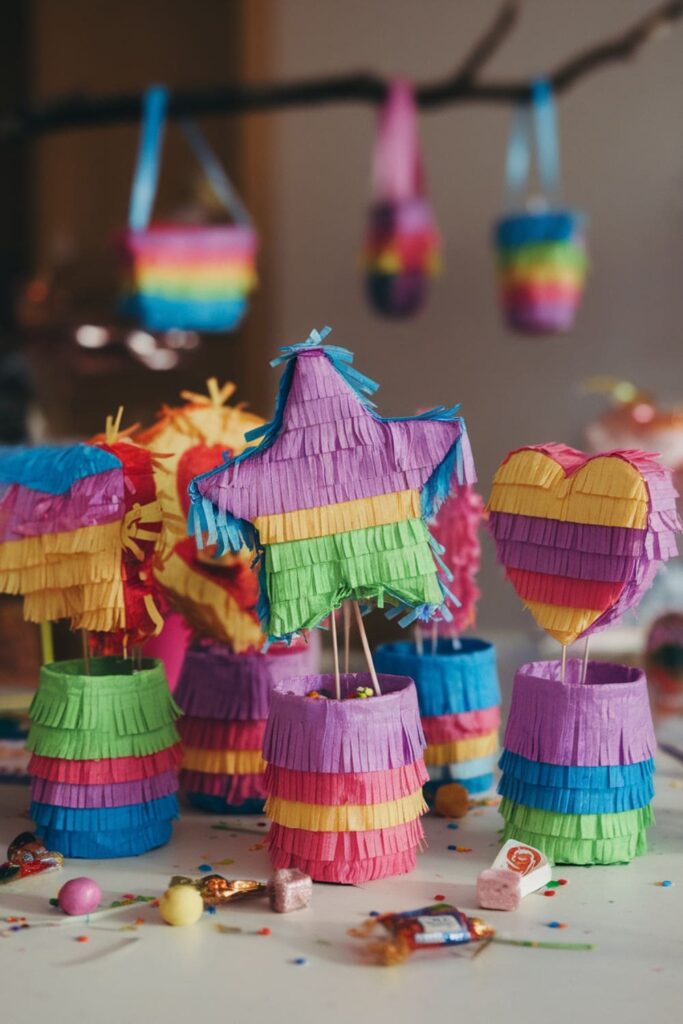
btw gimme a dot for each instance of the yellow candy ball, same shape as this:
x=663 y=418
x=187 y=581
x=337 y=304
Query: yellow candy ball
x=181 y=905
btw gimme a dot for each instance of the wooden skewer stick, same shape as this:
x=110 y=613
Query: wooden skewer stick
x=86 y=651
x=564 y=663
x=366 y=649
x=419 y=642
x=47 y=647
x=346 y=610
x=335 y=655
x=584 y=667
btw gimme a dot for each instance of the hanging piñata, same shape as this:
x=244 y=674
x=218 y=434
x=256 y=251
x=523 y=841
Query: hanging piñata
x=580 y=538
x=334 y=500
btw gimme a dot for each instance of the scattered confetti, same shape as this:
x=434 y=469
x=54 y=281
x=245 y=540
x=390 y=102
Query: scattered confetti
x=552 y=885
x=374 y=913
x=323 y=942
x=139 y=920
x=256 y=846
x=452 y=847
x=204 y=867
x=210 y=910
x=226 y=929
x=557 y=924
x=300 y=960
x=463 y=849
x=439 y=898
x=665 y=884
x=549 y=892
x=226 y=862
x=264 y=931
x=82 y=938
x=129 y=896
x=562 y=881
x=452 y=825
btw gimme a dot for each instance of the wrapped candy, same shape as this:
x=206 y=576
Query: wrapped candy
x=27 y=856
x=181 y=275
x=431 y=927
x=402 y=245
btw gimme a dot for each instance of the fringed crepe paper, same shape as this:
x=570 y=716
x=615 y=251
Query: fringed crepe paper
x=226 y=697
x=344 y=779
x=541 y=256
x=459 y=700
x=456 y=529
x=334 y=498
x=105 y=750
x=581 y=536
x=217 y=598
x=402 y=247
x=182 y=275
x=578 y=762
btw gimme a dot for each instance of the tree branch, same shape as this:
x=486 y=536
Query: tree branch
x=75 y=111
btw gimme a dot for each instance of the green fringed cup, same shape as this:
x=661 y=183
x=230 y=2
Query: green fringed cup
x=115 y=712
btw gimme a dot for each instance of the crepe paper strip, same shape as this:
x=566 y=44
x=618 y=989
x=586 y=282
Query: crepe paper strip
x=345 y=818
x=540 y=229
x=568 y=777
x=576 y=565
x=576 y=801
x=559 y=850
x=231 y=789
x=343 y=517
x=539 y=588
x=76 y=819
x=89 y=502
x=478 y=784
x=606 y=721
x=111 y=699
x=347 y=872
x=223 y=762
x=104 y=845
x=104 y=795
x=211 y=734
x=345 y=788
x=450 y=681
x=463 y=771
x=343 y=736
x=53 y=469
x=339 y=846
x=215 y=683
x=335 y=459
x=467 y=724
x=71 y=745
x=544 y=257
x=456 y=529
x=576 y=826
x=106 y=770
x=462 y=750
x=218 y=805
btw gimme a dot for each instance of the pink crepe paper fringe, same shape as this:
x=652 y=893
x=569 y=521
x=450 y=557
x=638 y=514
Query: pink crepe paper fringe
x=605 y=721
x=107 y=770
x=104 y=795
x=344 y=736
x=347 y=872
x=359 y=788
x=234 y=789
x=336 y=847
x=215 y=683
x=211 y=734
x=463 y=726
x=456 y=528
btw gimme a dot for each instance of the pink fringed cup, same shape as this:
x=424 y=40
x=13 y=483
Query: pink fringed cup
x=344 y=779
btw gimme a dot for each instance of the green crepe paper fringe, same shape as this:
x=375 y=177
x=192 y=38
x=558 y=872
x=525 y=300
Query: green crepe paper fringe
x=124 y=705
x=309 y=577
x=72 y=745
x=560 y=850
x=544 y=253
x=575 y=826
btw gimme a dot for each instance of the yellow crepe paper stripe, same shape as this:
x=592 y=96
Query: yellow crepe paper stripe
x=208 y=608
x=346 y=818
x=224 y=762
x=379 y=510
x=563 y=624
x=91 y=542
x=462 y=750
x=604 y=492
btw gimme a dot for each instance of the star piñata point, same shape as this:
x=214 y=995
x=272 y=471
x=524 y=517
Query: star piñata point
x=335 y=498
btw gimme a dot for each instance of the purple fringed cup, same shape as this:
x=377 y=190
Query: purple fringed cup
x=333 y=737
x=225 y=687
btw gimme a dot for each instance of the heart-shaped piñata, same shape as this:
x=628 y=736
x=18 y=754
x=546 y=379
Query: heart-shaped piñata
x=581 y=536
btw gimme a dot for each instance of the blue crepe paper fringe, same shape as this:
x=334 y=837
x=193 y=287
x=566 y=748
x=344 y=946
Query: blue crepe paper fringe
x=104 y=819
x=463 y=770
x=577 y=801
x=158 y=313
x=556 y=776
x=106 y=845
x=535 y=228
x=53 y=469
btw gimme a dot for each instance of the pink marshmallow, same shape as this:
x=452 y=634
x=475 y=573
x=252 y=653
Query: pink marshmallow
x=499 y=889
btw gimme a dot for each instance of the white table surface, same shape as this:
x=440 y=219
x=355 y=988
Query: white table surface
x=180 y=974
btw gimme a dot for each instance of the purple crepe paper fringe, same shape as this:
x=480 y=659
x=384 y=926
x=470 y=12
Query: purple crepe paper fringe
x=117 y=794
x=606 y=721
x=343 y=736
x=215 y=683
x=91 y=501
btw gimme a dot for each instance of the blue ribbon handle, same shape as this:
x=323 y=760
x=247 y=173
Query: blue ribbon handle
x=146 y=177
x=535 y=121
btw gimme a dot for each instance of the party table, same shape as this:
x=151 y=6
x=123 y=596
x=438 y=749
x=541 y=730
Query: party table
x=303 y=967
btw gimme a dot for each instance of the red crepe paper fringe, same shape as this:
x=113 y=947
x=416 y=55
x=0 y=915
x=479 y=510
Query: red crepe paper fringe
x=334 y=790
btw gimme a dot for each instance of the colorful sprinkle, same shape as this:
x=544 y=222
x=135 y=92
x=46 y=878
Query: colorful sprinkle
x=210 y=910
x=300 y=960
x=452 y=825
x=128 y=896
x=549 y=892
x=553 y=885
x=463 y=849
x=557 y=924
x=562 y=881
x=452 y=847
x=439 y=898
x=374 y=913
x=665 y=884
x=264 y=931
x=82 y=938
x=204 y=867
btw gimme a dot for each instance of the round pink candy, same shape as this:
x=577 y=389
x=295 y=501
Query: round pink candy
x=79 y=896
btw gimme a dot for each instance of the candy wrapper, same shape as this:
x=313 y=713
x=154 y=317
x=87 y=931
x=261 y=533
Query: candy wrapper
x=217 y=891
x=28 y=856
x=193 y=277
x=517 y=871
x=432 y=927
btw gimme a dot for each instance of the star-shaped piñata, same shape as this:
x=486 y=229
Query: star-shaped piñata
x=335 y=499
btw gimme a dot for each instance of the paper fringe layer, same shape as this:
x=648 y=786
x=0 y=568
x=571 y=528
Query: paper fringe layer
x=346 y=818
x=211 y=734
x=233 y=789
x=458 y=751
x=606 y=721
x=343 y=736
x=537 y=773
x=466 y=725
x=346 y=872
x=576 y=801
x=104 y=845
x=104 y=795
x=77 y=746
x=337 y=847
x=105 y=771
x=104 y=819
x=334 y=790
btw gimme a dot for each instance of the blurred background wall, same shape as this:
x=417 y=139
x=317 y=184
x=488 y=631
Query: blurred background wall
x=305 y=175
